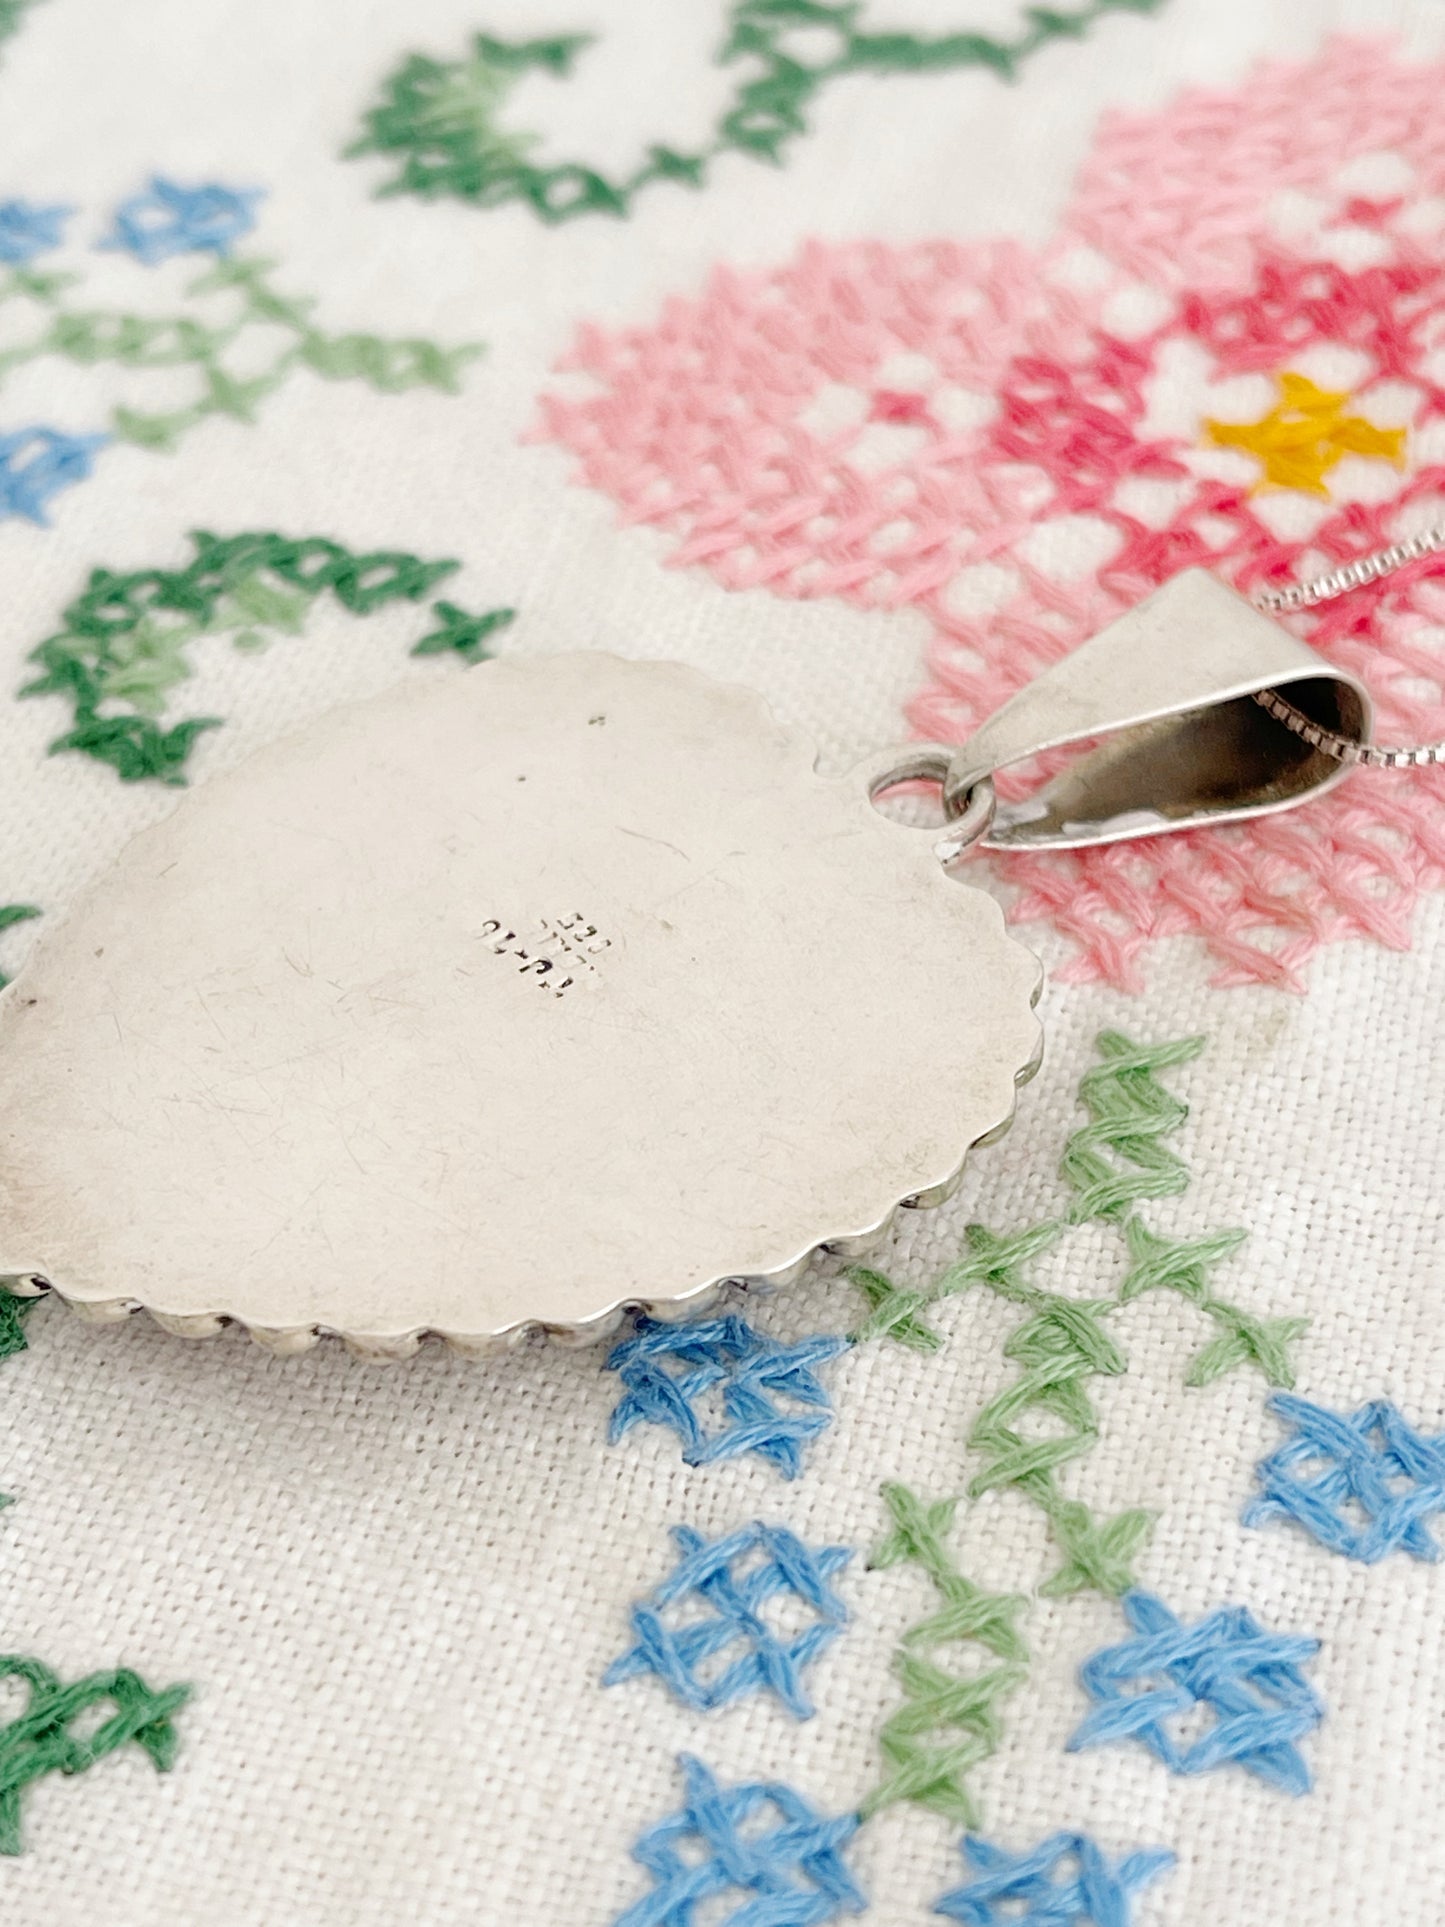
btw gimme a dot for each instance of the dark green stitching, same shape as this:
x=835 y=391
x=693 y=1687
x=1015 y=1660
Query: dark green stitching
x=439 y=118
x=14 y=1310
x=461 y=633
x=38 y=1743
x=256 y=313
x=123 y=646
x=38 y=1740
x=12 y=913
x=947 y=1724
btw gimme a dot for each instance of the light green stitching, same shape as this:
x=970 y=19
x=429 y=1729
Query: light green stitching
x=126 y=640
x=441 y=119
x=1183 y=1265
x=947 y=1725
x=1060 y=1348
x=1131 y=1113
x=995 y=1262
x=1114 y=1162
x=893 y=1312
x=254 y=313
x=1119 y=1159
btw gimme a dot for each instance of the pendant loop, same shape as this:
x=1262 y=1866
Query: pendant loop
x=969 y=813
x=1166 y=695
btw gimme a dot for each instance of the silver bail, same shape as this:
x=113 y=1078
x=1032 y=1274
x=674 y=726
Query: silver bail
x=1169 y=689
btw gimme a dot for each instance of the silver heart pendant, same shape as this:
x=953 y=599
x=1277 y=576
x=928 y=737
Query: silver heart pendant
x=520 y=999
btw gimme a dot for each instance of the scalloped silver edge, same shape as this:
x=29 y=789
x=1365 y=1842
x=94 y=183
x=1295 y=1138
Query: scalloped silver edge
x=289 y=1341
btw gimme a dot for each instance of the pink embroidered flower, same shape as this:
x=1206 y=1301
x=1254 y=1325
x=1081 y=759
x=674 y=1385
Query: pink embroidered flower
x=1233 y=354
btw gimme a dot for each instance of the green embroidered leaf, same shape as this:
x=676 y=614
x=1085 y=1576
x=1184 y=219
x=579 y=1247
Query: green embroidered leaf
x=127 y=640
x=442 y=123
x=998 y=1262
x=162 y=433
x=1242 y=1340
x=1098 y=1556
x=227 y=394
x=892 y=1312
x=135 y=748
x=261 y=602
x=40 y=1740
x=1168 y=1264
x=14 y=1310
x=948 y=1724
x=918 y=1532
x=230 y=324
x=1119 y=1158
x=389 y=366
x=465 y=635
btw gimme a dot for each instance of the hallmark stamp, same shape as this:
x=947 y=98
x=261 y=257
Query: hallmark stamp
x=559 y=957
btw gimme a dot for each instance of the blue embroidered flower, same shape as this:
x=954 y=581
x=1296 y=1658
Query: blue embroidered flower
x=671 y=1370
x=36 y=463
x=1362 y=1483
x=169 y=219
x=1252 y=1681
x=28 y=229
x=760 y=1848
x=1065 y=1881
x=711 y=1657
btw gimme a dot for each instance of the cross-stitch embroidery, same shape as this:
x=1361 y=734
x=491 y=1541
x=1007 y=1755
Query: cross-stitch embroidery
x=1065 y=1882
x=676 y=1373
x=39 y=1740
x=1251 y=1680
x=167 y=218
x=239 y=336
x=1361 y=1483
x=1114 y=1163
x=761 y=1845
x=126 y=639
x=1308 y=432
x=1020 y=451
x=443 y=120
x=28 y=229
x=949 y=1721
x=737 y=1578
x=13 y=1312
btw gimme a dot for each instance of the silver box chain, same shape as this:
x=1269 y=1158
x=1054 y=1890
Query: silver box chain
x=1324 y=588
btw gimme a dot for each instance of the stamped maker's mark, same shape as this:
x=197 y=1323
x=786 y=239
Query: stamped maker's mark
x=562 y=954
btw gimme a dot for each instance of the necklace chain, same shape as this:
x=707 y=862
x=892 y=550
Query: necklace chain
x=1324 y=588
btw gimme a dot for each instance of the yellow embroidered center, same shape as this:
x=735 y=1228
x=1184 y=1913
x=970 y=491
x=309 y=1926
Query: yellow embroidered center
x=1305 y=434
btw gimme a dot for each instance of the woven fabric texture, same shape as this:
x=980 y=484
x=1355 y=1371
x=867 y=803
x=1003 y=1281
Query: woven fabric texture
x=871 y=355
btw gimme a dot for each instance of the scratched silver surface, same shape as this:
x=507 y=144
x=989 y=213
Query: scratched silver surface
x=518 y=1000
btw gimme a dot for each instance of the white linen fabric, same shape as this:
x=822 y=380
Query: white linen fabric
x=395 y=1589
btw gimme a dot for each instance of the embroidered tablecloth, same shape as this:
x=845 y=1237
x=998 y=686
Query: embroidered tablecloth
x=1076 y=1558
